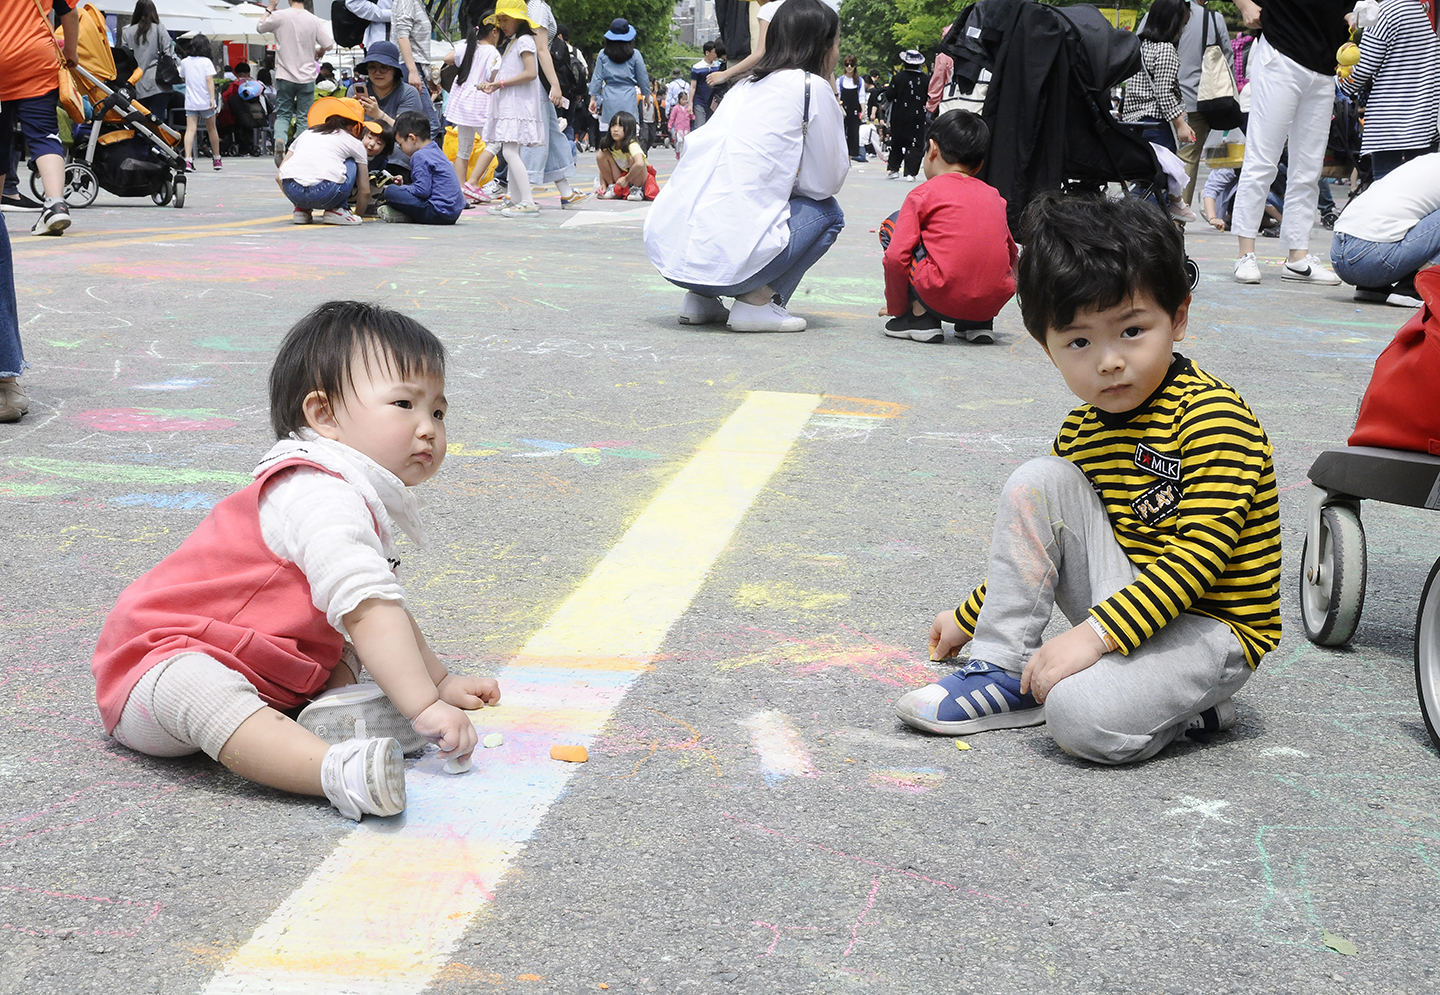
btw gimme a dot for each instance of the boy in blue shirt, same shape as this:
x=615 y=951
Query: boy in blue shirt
x=433 y=195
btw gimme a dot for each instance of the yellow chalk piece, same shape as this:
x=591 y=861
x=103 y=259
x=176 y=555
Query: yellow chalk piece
x=960 y=744
x=570 y=754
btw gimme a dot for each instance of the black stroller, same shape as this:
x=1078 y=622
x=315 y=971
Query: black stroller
x=1042 y=77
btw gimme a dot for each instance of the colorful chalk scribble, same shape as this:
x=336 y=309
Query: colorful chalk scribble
x=904 y=781
x=153 y=420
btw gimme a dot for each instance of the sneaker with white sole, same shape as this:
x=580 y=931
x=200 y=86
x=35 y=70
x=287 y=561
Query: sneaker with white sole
x=54 y=219
x=980 y=334
x=1247 y=269
x=576 y=197
x=767 y=317
x=299 y=217
x=635 y=194
x=916 y=327
x=341 y=216
x=393 y=215
x=697 y=309
x=359 y=711
x=364 y=777
x=1216 y=718
x=1311 y=269
x=521 y=211
x=976 y=698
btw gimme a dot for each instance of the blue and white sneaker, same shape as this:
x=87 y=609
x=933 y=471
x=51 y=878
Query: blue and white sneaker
x=977 y=697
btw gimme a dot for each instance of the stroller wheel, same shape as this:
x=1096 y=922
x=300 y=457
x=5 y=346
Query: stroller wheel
x=1331 y=603
x=1192 y=272
x=81 y=185
x=163 y=193
x=1427 y=653
x=180 y=191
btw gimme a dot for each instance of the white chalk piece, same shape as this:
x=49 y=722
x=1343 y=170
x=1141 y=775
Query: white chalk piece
x=457 y=766
x=493 y=740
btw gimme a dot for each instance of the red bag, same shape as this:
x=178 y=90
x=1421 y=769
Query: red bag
x=652 y=186
x=1401 y=407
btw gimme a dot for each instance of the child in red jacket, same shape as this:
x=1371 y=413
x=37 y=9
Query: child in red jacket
x=948 y=251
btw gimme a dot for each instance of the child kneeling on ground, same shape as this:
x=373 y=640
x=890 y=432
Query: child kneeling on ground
x=948 y=251
x=1153 y=525
x=248 y=619
x=326 y=164
x=433 y=195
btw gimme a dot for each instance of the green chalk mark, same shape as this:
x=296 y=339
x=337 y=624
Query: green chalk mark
x=237 y=343
x=110 y=473
x=64 y=345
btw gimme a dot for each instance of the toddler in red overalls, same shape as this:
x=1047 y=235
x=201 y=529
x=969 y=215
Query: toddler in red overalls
x=249 y=617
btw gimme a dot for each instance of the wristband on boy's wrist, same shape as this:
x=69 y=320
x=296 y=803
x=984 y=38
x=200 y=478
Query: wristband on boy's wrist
x=1103 y=633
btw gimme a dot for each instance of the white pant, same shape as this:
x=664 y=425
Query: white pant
x=1287 y=101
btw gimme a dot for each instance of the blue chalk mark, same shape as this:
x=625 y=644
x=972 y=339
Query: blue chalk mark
x=548 y=444
x=184 y=501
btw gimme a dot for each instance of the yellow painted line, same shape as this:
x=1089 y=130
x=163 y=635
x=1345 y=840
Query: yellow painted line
x=106 y=239
x=381 y=914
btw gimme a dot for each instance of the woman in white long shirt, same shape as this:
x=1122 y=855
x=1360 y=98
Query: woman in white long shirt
x=752 y=205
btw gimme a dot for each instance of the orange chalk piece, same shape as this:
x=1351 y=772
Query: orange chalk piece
x=570 y=754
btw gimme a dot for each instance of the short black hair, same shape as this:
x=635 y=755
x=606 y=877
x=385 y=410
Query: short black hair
x=962 y=137
x=320 y=351
x=387 y=144
x=1090 y=252
x=709 y=46
x=412 y=123
x=242 y=68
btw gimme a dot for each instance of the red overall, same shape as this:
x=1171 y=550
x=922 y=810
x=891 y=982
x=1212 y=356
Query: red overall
x=224 y=593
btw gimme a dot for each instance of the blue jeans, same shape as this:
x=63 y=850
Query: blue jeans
x=292 y=101
x=12 y=358
x=1383 y=264
x=814 y=226
x=1391 y=159
x=326 y=195
x=403 y=198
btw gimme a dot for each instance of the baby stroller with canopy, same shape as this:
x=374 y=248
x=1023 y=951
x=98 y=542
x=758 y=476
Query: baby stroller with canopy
x=1041 y=77
x=119 y=146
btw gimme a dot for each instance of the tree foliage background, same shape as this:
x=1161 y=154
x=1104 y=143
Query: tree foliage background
x=588 y=20
x=877 y=31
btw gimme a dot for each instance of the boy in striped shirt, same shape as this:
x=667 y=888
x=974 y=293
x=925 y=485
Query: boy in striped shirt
x=1153 y=525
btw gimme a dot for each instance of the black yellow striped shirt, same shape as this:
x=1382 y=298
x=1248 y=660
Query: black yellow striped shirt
x=1188 y=485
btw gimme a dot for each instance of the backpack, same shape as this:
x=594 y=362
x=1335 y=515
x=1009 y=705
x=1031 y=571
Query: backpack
x=347 y=26
x=578 y=73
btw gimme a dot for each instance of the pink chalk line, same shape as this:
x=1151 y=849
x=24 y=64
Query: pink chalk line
x=913 y=875
x=155 y=908
x=870 y=904
x=80 y=822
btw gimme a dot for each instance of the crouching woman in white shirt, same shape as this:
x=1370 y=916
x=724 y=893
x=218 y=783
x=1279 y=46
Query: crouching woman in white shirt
x=752 y=206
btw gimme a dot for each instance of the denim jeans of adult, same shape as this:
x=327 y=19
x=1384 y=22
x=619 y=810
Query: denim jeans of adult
x=12 y=358
x=814 y=226
x=326 y=195
x=1389 y=160
x=404 y=199
x=1158 y=132
x=1382 y=264
x=292 y=101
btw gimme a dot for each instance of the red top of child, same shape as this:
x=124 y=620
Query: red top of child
x=1399 y=410
x=224 y=593
x=969 y=267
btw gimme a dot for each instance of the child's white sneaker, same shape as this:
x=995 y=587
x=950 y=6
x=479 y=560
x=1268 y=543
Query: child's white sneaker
x=1216 y=718
x=364 y=777
x=636 y=194
x=1247 y=269
x=359 y=711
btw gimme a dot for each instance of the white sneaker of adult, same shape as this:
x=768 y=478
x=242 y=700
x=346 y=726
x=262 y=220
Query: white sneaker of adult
x=767 y=317
x=1247 y=269
x=697 y=309
x=364 y=777
x=1311 y=269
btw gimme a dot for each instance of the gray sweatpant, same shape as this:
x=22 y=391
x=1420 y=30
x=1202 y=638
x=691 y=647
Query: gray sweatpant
x=1053 y=546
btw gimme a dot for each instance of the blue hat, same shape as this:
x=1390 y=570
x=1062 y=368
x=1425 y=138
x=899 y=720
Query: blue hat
x=621 y=30
x=383 y=53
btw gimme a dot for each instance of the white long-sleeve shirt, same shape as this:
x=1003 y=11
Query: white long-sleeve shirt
x=725 y=212
x=340 y=531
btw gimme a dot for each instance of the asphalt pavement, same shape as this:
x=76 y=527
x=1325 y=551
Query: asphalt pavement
x=752 y=816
